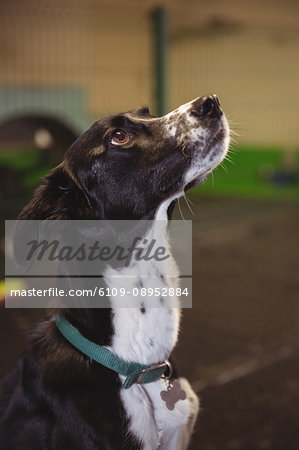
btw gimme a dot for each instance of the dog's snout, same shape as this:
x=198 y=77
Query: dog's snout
x=207 y=105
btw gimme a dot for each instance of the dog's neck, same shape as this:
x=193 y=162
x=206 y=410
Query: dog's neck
x=146 y=329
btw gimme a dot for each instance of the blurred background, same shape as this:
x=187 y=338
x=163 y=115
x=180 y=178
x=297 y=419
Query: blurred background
x=66 y=63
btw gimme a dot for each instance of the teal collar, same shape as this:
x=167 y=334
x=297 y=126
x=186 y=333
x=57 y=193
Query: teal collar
x=134 y=372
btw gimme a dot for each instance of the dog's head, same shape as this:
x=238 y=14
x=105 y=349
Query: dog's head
x=127 y=165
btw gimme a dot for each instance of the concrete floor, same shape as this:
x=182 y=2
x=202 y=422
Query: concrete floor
x=243 y=329
x=239 y=342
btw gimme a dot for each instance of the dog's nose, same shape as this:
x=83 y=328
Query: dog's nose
x=208 y=105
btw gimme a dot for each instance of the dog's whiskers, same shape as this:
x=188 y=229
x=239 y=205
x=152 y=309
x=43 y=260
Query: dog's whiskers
x=234 y=132
x=187 y=203
x=233 y=140
x=231 y=161
x=223 y=167
x=180 y=209
x=190 y=201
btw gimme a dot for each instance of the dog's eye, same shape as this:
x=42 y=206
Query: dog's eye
x=120 y=137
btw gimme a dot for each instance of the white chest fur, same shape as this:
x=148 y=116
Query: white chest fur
x=145 y=326
x=146 y=332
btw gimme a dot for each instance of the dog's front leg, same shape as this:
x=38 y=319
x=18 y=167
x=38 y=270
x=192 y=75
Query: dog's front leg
x=177 y=435
x=193 y=400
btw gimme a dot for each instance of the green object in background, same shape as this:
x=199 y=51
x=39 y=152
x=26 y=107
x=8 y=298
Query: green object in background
x=23 y=159
x=27 y=165
x=251 y=175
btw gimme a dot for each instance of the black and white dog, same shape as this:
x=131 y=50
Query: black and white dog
x=126 y=166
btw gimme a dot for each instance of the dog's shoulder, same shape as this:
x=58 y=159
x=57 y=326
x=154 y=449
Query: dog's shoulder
x=55 y=398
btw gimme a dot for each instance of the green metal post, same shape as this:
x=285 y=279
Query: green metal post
x=159 y=17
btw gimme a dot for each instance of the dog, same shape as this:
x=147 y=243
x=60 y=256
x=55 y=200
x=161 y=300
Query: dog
x=126 y=166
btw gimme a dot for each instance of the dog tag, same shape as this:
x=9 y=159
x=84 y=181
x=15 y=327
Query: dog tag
x=173 y=394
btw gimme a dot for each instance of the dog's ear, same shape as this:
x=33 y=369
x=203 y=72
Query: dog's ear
x=59 y=197
x=144 y=112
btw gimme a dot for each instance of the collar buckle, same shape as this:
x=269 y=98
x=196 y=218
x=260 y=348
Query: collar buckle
x=158 y=366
